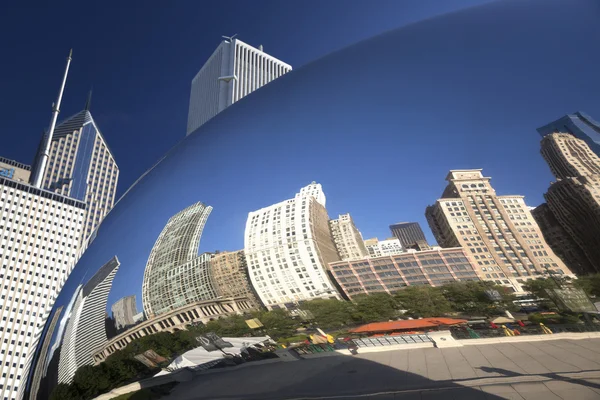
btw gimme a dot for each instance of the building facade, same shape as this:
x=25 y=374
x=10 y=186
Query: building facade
x=175 y=274
x=499 y=231
x=80 y=165
x=391 y=273
x=568 y=156
x=348 y=240
x=39 y=238
x=85 y=329
x=14 y=170
x=123 y=312
x=229 y=274
x=408 y=233
x=575 y=202
x=288 y=246
x=561 y=241
x=578 y=124
x=380 y=248
x=233 y=71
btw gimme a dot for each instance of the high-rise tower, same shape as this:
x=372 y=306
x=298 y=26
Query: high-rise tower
x=348 y=240
x=234 y=70
x=578 y=124
x=288 y=246
x=408 y=233
x=499 y=231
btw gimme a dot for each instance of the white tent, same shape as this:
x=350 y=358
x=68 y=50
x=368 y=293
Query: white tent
x=199 y=356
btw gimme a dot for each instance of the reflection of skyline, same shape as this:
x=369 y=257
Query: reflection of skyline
x=85 y=329
x=175 y=274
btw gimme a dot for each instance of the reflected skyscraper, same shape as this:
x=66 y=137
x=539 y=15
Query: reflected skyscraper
x=123 y=312
x=408 y=233
x=288 y=246
x=85 y=330
x=347 y=238
x=234 y=70
x=175 y=275
x=578 y=124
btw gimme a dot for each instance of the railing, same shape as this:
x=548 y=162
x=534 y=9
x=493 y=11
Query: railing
x=462 y=333
x=392 y=340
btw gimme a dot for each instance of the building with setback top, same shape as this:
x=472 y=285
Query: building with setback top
x=408 y=233
x=347 y=238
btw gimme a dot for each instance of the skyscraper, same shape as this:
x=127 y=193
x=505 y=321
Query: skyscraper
x=234 y=70
x=175 y=275
x=578 y=124
x=408 y=233
x=229 y=274
x=123 y=311
x=499 y=231
x=80 y=165
x=348 y=240
x=561 y=241
x=85 y=330
x=288 y=246
x=40 y=235
x=568 y=156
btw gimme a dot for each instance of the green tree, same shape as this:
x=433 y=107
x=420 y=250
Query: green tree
x=277 y=323
x=423 y=301
x=64 y=391
x=90 y=381
x=331 y=313
x=589 y=283
x=471 y=298
x=374 y=307
x=538 y=288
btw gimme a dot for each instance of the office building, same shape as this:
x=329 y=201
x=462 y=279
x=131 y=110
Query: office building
x=561 y=241
x=175 y=274
x=80 y=165
x=391 y=273
x=38 y=373
x=229 y=275
x=348 y=240
x=578 y=124
x=85 y=329
x=575 y=203
x=288 y=246
x=408 y=233
x=499 y=231
x=39 y=238
x=14 y=170
x=380 y=248
x=124 y=311
x=568 y=156
x=233 y=71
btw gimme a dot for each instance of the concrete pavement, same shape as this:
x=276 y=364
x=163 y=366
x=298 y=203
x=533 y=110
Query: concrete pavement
x=557 y=369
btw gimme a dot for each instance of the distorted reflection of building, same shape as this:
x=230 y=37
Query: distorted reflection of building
x=85 y=330
x=347 y=238
x=81 y=165
x=175 y=274
x=391 y=273
x=171 y=321
x=40 y=234
x=561 y=241
x=579 y=125
x=233 y=71
x=408 y=233
x=39 y=371
x=380 y=248
x=288 y=246
x=124 y=311
x=229 y=275
x=499 y=231
x=574 y=200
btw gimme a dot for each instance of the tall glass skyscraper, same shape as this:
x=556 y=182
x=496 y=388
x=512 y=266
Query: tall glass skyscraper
x=234 y=70
x=578 y=124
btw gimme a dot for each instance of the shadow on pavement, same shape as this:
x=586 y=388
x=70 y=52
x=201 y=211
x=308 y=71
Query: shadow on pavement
x=552 y=375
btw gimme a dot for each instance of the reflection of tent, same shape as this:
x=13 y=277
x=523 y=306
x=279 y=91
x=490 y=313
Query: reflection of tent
x=503 y=320
x=199 y=356
x=407 y=325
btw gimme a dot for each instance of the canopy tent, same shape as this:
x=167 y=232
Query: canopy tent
x=503 y=320
x=199 y=356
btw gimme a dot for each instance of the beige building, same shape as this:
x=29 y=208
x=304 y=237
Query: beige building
x=229 y=273
x=568 y=156
x=499 y=231
x=561 y=241
x=14 y=170
x=348 y=240
x=381 y=248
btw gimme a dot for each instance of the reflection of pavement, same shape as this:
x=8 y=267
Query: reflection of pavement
x=558 y=369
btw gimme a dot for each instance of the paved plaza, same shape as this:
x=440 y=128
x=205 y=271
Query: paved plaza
x=545 y=370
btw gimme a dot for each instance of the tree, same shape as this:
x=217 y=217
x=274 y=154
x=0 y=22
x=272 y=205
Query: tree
x=64 y=391
x=374 y=307
x=538 y=288
x=471 y=298
x=330 y=313
x=277 y=323
x=589 y=283
x=90 y=381
x=423 y=301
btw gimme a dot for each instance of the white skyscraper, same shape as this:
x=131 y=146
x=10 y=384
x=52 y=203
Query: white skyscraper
x=39 y=238
x=234 y=70
x=288 y=247
x=347 y=238
x=381 y=248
